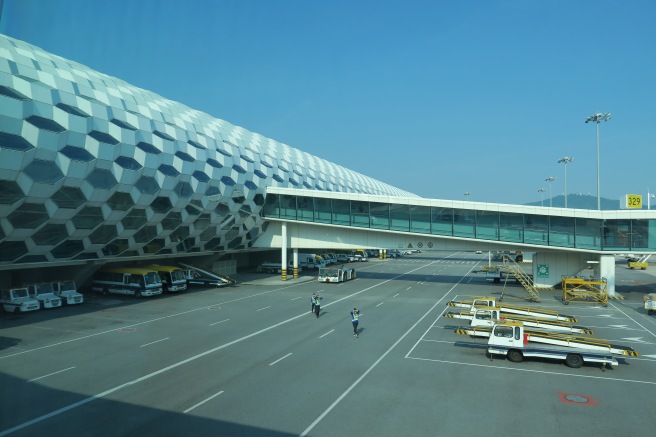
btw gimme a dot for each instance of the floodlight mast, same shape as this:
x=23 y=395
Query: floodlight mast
x=565 y=160
x=550 y=179
x=598 y=118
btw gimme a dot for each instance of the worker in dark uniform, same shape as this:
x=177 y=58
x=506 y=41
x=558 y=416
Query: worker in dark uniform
x=312 y=301
x=317 y=305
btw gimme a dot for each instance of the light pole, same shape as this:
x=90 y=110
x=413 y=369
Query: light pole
x=541 y=191
x=565 y=160
x=596 y=119
x=550 y=179
x=467 y=194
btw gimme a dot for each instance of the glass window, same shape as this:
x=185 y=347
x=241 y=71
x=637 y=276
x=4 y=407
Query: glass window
x=50 y=234
x=184 y=190
x=305 y=207
x=172 y=221
x=442 y=221
x=536 y=229
x=288 y=207
x=45 y=172
x=214 y=163
x=72 y=110
x=487 y=225
x=644 y=234
x=323 y=210
x=154 y=246
x=561 y=231
x=10 y=192
x=76 y=154
x=511 y=227
x=28 y=216
x=147 y=185
x=88 y=218
x=168 y=170
x=202 y=177
x=420 y=219
x=360 y=214
x=102 y=179
x=271 y=206
x=45 y=124
x=68 y=249
x=103 y=235
x=148 y=148
x=10 y=250
x=103 y=137
x=400 y=217
x=196 y=145
x=228 y=181
x=239 y=169
x=588 y=233
x=134 y=219
x=120 y=201
x=146 y=234
x=250 y=185
x=161 y=204
x=123 y=124
x=341 y=212
x=616 y=234
x=128 y=163
x=184 y=156
x=14 y=142
x=68 y=197
x=380 y=216
x=115 y=247
x=202 y=222
x=464 y=223
x=163 y=135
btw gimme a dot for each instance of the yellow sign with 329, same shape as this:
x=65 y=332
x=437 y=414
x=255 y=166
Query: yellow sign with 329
x=634 y=201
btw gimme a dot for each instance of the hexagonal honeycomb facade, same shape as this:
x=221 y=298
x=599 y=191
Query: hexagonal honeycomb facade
x=92 y=167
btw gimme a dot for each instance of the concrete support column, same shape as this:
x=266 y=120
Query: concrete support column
x=384 y=253
x=295 y=263
x=607 y=272
x=283 y=250
x=380 y=253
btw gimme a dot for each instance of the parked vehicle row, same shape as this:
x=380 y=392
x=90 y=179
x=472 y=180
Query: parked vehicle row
x=40 y=296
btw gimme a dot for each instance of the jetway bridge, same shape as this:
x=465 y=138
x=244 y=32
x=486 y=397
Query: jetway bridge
x=566 y=242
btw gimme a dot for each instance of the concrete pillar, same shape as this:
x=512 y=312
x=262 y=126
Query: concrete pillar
x=295 y=263
x=607 y=272
x=380 y=253
x=283 y=250
x=384 y=253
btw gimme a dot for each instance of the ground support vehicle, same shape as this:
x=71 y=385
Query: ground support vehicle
x=498 y=274
x=173 y=278
x=635 y=263
x=511 y=309
x=513 y=333
x=67 y=292
x=489 y=316
x=650 y=303
x=361 y=258
x=336 y=275
x=18 y=300
x=45 y=294
x=205 y=278
x=329 y=258
x=311 y=261
x=584 y=290
x=130 y=281
x=346 y=258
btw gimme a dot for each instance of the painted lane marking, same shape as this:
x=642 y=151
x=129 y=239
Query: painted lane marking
x=216 y=323
x=280 y=359
x=153 y=342
x=619 y=326
x=50 y=374
x=635 y=339
x=408 y=288
x=264 y=308
x=329 y=332
x=297 y=298
x=396 y=295
x=202 y=402
x=380 y=304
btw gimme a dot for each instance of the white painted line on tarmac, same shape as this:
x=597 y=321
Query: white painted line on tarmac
x=264 y=308
x=202 y=402
x=280 y=359
x=50 y=374
x=380 y=304
x=329 y=332
x=632 y=319
x=296 y=298
x=148 y=321
x=396 y=295
x=195 y=357
x=533 y=371
x=408 y=288
x=153 y=342
x=216 y=323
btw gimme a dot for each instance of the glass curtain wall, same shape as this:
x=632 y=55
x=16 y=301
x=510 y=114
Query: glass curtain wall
x=464 y=223
x=511 y=227
x=360 y=214
x=420 y=219
x=588 y=233
x=442 y=221
x=380 y=216
x=487 y=225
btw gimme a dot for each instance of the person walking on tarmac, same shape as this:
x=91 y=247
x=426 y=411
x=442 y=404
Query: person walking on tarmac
x=314 y=295
x=317 y=305
x=355 y=316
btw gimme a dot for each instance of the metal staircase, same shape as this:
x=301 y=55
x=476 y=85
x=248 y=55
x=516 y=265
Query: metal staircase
x=511 y=267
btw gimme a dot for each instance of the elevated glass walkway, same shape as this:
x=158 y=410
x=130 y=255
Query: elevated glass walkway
x=589 y=230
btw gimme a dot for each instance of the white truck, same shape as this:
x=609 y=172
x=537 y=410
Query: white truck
x=650 y=303
x=45 y=294
x=510 y=338
x=311 y=261
x=17 y=300
x=511 y=309
x=489 y=316
x=336 y=275
x=67 y=291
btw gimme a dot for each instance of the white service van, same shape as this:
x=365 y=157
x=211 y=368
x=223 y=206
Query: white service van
x=17 y=300
x=45 y=294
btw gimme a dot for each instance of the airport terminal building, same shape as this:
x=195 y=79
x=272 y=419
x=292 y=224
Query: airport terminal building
x=93 y=170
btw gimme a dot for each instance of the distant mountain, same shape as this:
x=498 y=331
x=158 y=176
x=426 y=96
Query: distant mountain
x=580 y=201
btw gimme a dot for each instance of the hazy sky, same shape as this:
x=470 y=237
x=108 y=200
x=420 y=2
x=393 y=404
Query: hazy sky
x=435 y=97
